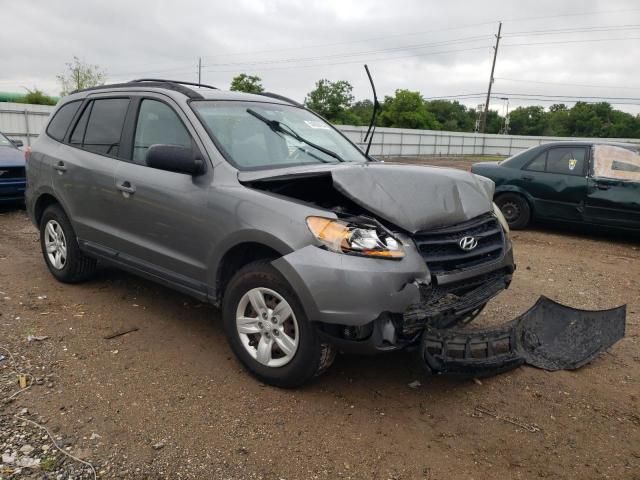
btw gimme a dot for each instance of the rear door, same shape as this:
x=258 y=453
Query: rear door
x=557 y=180
x=85 y=167
x=161 y=214
x=614 y=187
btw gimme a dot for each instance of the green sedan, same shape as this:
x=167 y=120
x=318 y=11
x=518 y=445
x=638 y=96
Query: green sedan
x=582 y=182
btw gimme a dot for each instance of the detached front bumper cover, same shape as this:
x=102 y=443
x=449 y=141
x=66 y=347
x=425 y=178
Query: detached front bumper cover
x=549 y=335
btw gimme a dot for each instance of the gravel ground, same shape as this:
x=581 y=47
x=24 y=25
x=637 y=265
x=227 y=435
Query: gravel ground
x=170 y=401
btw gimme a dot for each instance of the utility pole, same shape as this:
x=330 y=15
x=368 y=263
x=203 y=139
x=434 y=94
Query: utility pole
x=199 y=70
x=493 y=67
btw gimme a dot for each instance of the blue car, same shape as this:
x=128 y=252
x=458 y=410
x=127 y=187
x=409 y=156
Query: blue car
x=12 y=174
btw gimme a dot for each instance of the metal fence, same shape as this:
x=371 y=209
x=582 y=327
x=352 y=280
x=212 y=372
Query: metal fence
x=25 y=122
x=405 y=142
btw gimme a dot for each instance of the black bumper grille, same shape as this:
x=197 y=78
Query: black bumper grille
x=441 y=248
x=11 y=172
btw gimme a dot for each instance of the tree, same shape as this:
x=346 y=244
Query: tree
x=557 y=121
x=361 y=112
x=407 y=109
x=246 y=83
x=36 y=97
x=79 y=75
x=330 y=99
x=527 y=121
x=452 y=116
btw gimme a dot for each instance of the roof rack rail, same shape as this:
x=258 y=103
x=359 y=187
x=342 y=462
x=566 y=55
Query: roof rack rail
x=280 y=97
x=180 y=82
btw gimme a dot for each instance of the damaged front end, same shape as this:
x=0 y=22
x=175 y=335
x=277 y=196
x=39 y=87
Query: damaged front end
x=549 y=335
x=440 y=253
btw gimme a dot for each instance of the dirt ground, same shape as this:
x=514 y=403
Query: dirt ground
x=170 y=401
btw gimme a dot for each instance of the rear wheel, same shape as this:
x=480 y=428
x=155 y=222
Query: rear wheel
x=515 y=209
x=60 y=248
x=268 y=330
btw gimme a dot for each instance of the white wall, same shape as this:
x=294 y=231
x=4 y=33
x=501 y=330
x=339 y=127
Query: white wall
x=406 y=142
x=25 y=122
x=20 y=121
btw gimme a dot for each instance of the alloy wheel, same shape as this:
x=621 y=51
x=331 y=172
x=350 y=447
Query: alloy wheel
x=55 y=244
x=267 y=327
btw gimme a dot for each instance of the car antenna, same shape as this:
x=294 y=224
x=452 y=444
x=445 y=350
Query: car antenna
x=374 y=115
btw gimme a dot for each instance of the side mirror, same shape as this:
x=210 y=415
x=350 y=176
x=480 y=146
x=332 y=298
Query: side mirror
x=174 y=158
x=18 y=143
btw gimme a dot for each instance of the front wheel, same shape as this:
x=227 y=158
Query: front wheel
x=268 y=329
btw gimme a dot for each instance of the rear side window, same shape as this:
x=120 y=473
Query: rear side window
x=60 y=122
x=100 y=126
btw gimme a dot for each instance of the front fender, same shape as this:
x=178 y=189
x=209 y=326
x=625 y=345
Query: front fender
x=243 y=236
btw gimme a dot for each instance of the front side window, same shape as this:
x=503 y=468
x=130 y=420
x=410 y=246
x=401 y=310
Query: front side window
x=100 y=127
x=60 y=122
x=566 y=160
x=257 y=135
x=157 y=124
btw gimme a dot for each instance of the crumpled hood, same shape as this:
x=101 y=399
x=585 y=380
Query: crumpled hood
x=416 y=197
x=11 y=157
x=413 y=197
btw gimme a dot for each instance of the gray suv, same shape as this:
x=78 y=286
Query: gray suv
x=259 y=206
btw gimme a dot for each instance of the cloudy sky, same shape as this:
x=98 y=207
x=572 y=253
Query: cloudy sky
x=551 y=50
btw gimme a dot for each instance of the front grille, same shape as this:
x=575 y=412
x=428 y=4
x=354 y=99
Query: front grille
x=11 y=172
x=441 y=248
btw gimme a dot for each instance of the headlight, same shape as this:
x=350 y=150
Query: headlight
x=345 y=237
x=501 y=219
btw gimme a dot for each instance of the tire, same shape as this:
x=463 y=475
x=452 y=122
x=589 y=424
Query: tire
x=516 y=210
x=258 y=341
x=73 y=266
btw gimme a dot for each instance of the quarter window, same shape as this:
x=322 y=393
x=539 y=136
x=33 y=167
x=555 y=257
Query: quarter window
x=538 y=164
x=60 y=122
x=158 y=124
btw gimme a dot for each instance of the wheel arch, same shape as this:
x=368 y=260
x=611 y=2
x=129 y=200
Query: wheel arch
x=242 y=249
x=502 y=189
x=43 y=201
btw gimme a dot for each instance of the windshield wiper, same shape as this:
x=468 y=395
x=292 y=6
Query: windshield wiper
x=277 y=126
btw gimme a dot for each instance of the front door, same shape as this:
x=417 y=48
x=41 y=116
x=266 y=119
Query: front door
x=163 y=228
x=614 y=187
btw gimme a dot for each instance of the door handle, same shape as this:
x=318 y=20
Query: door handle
x=60 y=167
x=126 y=188
x=528 y=178
x=603 y=186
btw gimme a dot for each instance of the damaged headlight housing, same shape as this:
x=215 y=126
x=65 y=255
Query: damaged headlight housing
x=345 y=237
x=501 y=219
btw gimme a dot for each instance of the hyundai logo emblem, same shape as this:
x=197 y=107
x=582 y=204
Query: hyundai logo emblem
x=468 y=243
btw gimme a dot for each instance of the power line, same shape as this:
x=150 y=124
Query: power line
x=354 y=54
x=564 y=42
x=516 y=19
x=562 y=31
x=566 y=84
x=405 y=47
x=383 y=59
